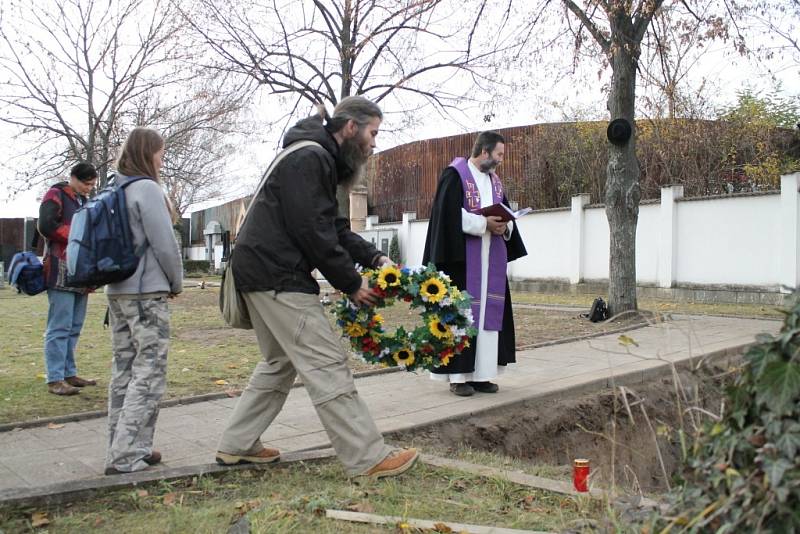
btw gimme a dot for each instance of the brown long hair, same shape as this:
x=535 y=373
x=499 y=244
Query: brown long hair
x=136 y=157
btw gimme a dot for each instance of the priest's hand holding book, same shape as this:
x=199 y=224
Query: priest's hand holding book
x=503 y=212
x=496 y=225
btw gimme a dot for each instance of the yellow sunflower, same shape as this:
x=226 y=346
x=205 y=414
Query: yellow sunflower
x=433 y=290
x=355 y=330
x=404 y=356
x=378 y=318
x=439 y=329
x=389 y=277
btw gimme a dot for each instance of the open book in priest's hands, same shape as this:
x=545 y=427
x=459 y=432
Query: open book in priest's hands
x=504 y=212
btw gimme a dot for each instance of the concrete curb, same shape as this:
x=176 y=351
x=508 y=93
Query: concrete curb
x=82 y=416
x=72 y=491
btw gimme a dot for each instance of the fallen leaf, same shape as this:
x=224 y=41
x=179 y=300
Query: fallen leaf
x=232 y=393
x=142 y=493
x=185 y=369
x=232 y=366
x=221 y=382
x=54 y=426
x=627 y=340
x=169 y=498
x=363 y=507
x=41 y=375
x=99 y=521
x=441 y=527
x=39 y=519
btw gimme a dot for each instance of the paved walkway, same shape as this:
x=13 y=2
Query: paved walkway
x=187 y=435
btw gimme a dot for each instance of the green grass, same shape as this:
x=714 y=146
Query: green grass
x=293 y=498
x=656 y=305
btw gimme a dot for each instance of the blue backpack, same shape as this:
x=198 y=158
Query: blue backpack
x=26 y=273
x=100 y=248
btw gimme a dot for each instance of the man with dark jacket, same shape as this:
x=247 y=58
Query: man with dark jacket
x=294 y=227
x=67 y=305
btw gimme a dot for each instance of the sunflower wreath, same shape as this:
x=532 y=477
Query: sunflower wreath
x=446 y=319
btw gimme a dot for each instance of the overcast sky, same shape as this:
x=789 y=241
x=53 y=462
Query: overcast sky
x=582 y=96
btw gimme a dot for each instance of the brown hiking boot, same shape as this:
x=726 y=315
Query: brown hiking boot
x=79 y=382
x=396 y=463
x=264 y=456
x=60 y=387
x=153 y=459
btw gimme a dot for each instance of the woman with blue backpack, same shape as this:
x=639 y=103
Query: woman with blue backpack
x=66 y=305
x=138 y=310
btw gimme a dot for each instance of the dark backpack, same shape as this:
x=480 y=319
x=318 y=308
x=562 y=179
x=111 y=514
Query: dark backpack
x=598 y=312
x=26 y=273
x=100 y=248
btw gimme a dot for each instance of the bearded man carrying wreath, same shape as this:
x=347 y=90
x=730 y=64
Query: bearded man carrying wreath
x=474 y=250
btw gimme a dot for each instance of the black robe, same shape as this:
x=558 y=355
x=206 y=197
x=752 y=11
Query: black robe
x=445 y=247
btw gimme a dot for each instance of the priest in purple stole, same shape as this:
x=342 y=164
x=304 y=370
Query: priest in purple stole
x=474 y=251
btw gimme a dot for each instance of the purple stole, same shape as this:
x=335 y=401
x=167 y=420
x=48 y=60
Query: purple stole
x=498 y=256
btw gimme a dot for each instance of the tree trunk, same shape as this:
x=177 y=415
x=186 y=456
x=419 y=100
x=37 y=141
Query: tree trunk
x=346 y=59
x=622 y=187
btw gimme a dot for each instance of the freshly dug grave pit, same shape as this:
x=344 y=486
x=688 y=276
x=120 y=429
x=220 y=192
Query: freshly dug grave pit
x=597 y=426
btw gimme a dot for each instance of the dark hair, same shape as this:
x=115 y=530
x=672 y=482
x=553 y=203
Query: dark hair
x=136 y=157
x=84 y=172
x=355 y=108
x=486 y=141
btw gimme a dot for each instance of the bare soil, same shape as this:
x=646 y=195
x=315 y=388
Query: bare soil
x=596 y=426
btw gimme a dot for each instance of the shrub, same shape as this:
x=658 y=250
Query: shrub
x=743 y=474
x=196 y=266
x=394 y=249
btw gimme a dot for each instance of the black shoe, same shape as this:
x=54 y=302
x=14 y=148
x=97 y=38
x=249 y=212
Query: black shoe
x=462 y=390
x=484 y=387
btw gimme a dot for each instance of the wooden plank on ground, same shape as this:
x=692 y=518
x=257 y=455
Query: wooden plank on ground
x=358 y=517
x=523 y=479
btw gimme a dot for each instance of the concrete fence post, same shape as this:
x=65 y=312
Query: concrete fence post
x=576 y=242
x=372 y=220
x=405 y=234
x=789 y=249
x=667 y=235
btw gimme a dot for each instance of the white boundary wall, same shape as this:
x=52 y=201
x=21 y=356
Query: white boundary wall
x=744 y=240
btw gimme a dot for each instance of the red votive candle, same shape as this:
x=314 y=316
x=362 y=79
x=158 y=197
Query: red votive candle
x=580 y=475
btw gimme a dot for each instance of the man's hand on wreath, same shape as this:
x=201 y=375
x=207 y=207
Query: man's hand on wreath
x=385 y=260
x=364 y=295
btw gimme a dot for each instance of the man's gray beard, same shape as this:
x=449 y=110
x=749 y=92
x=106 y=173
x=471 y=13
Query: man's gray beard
x=352 y=163
x=488 y=166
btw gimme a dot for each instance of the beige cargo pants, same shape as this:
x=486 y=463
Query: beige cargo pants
x=295 y=337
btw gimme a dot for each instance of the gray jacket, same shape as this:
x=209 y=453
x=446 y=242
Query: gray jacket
x=160 y=268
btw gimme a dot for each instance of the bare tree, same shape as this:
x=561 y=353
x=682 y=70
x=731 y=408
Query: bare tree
x=611 y=33
x=200 y=133
x=404 y=54
x=677 y=41
x=71 y=75
x=617 y=27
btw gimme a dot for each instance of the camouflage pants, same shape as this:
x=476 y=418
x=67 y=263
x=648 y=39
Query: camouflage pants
x=139 y=340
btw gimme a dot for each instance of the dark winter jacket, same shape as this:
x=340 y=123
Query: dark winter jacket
x=55 y=216
x=294 y=225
